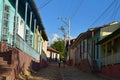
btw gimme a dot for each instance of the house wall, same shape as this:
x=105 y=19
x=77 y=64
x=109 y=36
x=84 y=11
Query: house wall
x=89 y=47
x=111 y=57
x=10 y=20
x=48 y=54
x=84 y=46
x=18 y=60
x=96 y=49
x=71 y=56
x=37 y=41
x=53 y=56
x=58 y=56
x=74 y=56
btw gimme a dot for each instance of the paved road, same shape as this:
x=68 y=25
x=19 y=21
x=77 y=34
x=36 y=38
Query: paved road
x=53 y=72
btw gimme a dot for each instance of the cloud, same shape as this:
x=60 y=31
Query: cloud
x=54 y=38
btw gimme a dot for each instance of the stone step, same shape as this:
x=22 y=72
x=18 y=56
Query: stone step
x=5 y=71
x=4 y=59
x=1 y=58
x=2 y=78
x=5 y=66
x=2 y=62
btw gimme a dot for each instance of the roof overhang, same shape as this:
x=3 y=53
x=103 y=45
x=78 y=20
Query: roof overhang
x=109 y=36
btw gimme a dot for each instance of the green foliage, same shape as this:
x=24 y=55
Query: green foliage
x=59 y=46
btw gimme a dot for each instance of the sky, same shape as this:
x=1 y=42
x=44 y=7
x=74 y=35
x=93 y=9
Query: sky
x=83 y=14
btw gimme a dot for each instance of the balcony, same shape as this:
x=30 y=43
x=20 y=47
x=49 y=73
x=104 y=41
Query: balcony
x=23 y=46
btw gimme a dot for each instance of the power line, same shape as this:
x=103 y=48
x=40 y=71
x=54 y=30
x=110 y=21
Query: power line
x=45 y=4
x=77 y=9
x=109 y=15
x=103 y=12
x=116 y=9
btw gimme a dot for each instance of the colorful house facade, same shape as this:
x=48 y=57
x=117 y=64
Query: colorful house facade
x=21 y=25
x=110 y=54
x=85 y=53
x=99 y=33
x=80 y=51
x=21 y=28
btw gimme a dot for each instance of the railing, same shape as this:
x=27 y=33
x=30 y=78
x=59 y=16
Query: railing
x=117 y=57
x=116 y=60
x=22 y=45
x=103 y=61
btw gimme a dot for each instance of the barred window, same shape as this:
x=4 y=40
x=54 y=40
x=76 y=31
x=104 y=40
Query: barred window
x=5 y=22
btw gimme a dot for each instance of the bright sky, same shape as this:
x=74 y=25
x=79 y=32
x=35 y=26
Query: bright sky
x=83 y=14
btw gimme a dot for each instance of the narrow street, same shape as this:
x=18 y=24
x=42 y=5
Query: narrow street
x=53 y=72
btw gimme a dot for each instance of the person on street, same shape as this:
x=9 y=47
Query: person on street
x=64 y=62
x=59 y=63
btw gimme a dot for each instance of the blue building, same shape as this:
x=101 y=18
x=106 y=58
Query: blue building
x=21 y=26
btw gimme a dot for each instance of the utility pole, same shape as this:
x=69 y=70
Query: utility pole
x=67 y=22
x=69 y=30
x=69 y=39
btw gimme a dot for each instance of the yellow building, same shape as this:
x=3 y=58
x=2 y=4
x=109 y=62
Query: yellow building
x=110 y=54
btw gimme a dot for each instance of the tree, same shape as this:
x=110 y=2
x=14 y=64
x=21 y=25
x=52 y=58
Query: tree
x=59 y=46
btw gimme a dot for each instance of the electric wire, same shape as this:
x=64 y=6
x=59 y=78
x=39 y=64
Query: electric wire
x=103 y=13
x=77 y=9
x=110 y=13
x=116 y=10
x=45 y=4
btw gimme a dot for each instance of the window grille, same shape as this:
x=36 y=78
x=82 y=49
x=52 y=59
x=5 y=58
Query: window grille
x=31 y=39
x=5 y=23
x=28 y=37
